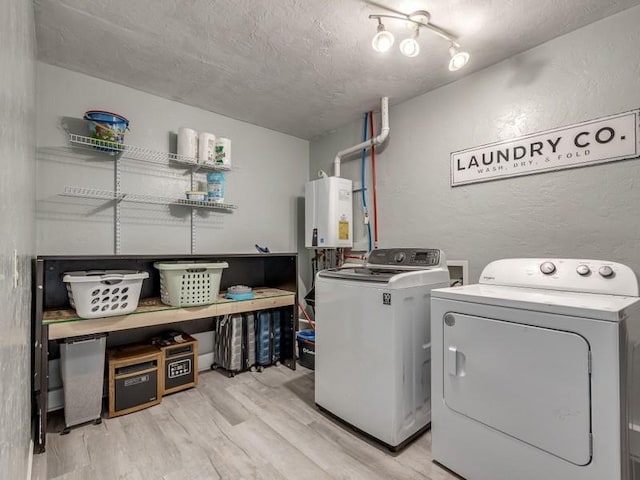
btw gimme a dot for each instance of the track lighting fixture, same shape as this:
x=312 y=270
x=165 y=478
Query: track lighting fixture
x=409 y=47
x=458 y=59
x=383 y=40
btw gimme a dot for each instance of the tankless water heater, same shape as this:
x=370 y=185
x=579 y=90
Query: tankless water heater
x=329 y=213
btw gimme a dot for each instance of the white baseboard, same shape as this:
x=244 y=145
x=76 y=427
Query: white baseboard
x=205 y=361
x=30 y=464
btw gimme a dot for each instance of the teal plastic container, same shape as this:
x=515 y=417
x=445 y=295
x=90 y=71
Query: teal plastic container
x=215 y=186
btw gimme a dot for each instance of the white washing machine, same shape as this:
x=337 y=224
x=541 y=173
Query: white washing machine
x=372 y=365
x=535 y=372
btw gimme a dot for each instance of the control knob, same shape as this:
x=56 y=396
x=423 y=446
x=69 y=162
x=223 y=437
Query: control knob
x=583 y=270
x=399 y=257
x=606 y=271
x=547 y=268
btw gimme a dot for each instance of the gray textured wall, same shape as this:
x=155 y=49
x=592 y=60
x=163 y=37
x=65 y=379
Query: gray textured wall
x=17 y=164
x=272 y=168
x=584 y=212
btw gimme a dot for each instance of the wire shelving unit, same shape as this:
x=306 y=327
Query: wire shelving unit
x=119 y=152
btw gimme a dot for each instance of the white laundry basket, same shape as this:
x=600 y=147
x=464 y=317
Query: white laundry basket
x=186 y=284
x=104 y=293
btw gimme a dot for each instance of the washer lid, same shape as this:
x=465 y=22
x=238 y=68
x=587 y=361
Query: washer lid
x=588 y=305
x=362 y=274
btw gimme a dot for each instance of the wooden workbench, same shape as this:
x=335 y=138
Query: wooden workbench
x=64 y=323
x=272 y=276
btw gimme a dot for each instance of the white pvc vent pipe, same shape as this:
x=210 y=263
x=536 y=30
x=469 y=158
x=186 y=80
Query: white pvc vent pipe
x=372 y=142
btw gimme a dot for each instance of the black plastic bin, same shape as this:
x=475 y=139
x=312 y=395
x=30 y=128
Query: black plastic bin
x=307 y=348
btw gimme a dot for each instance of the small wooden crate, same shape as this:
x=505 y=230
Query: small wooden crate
x=179 y=365
x=138 y=369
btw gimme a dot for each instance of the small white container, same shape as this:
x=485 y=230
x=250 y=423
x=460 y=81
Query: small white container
x=186 y=284
x=104 y=293
x=196 y=195
x=223 y=151
x=188 y=144
x=207 y=148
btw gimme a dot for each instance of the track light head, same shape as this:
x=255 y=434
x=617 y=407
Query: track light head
x=409 y=47
x=458 y=59
x=383 y=40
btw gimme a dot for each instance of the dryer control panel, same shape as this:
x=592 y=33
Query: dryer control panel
x=406 y=257
x=565 y=274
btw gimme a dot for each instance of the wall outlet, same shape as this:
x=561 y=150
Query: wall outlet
x=459 y=272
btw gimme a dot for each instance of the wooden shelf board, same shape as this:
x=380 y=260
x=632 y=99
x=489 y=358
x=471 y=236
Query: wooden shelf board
x=65 y=323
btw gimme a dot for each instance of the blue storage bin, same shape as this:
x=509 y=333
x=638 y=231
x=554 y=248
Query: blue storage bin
x=308 y=335
x=307 y=348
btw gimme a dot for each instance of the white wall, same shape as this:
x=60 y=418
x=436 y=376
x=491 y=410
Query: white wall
x=585 y=212
x=17 y=202
x=267 y=186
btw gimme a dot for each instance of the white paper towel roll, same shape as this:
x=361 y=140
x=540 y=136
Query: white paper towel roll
x=188 y=142
x=223 y=151
x=207 y=148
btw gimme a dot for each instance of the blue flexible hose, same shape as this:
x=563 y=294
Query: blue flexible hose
x=364 y=190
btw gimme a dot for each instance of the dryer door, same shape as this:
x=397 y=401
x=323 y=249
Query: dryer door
x=528 y=382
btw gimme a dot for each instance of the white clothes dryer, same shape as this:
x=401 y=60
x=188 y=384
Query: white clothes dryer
x=372 y=364
x=535 y=372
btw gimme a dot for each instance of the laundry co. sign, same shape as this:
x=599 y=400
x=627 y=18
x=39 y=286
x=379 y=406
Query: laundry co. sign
x=597 y=141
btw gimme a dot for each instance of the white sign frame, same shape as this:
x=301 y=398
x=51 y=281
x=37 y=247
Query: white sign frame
x=602 y=140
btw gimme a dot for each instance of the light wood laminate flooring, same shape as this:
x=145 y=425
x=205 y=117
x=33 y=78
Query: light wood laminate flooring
x=253 y=426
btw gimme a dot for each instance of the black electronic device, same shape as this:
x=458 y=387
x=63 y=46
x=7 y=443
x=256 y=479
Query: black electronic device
x=134 y=379
x=180 y=359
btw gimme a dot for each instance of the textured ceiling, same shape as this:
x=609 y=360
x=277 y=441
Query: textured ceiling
x=297 y=66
